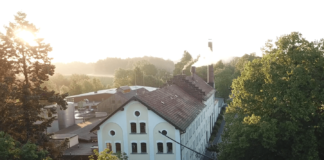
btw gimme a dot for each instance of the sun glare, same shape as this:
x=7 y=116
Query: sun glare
x=27 y=37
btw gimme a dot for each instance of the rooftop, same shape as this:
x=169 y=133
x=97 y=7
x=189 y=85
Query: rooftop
x=171 y=103
x=80 y=149
x=174 y=105
x=82 y=129
x=112 y=91
x=63 y=136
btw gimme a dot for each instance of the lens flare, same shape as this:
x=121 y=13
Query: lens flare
x=27 y=37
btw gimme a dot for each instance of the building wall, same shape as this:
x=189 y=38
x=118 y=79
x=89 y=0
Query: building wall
x=120 y=122
x=197 y=134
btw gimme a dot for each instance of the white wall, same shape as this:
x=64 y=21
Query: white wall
x=195 y=137
x=153 y=124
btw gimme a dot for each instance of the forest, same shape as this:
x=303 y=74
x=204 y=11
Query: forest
x=108 y=66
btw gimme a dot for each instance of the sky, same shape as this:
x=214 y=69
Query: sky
x=87 y=31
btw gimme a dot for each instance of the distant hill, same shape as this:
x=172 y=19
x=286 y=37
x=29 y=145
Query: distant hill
x=109 y=65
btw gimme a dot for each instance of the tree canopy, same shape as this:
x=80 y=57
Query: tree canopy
x=24 y=67
x=277 y=108
x=143 y=73
x=11 y=149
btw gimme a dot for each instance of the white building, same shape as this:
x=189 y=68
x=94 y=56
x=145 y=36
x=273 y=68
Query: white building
x=185 y=110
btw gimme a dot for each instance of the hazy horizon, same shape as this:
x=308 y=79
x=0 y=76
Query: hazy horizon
x=87 y=31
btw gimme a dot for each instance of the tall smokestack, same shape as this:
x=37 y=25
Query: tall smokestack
x=210 y=75
x=193 y=70
x=210 y=44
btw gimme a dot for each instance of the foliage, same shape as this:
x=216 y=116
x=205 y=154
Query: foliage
x=184 y=64
x=121 y=156
x=143 y=73
x=277 y=108
x=226 y=73
x=74 y=84
x=24 y=68
x=104 y=155
x=213 y=148
x=109 y=65
x=11 y=149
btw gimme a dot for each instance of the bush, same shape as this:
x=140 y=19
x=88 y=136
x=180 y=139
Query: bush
x=220 y=118
x=216 y=128
x=212 y=137
x=218 y=123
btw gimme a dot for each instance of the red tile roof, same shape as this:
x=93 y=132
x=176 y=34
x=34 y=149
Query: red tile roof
x=173 y=104
x=178 y=102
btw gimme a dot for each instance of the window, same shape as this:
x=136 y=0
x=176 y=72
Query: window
x=137 y=113
x=112 y=133
x=133 y=127
x=108 y=145
x=160 y=147
x=169 y=146
x=142 y=127
x=118 y=147
x=143 y=147
x=164 y=132
x=134 y=148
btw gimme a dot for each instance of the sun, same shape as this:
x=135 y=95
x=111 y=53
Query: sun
x=27 y=37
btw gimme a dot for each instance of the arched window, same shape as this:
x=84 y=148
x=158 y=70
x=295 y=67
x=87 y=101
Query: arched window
x=142 y=127
x=133 y=127
x=143 y=148
x=169 y=147
x=134 y=147
x=118 y=147
x=160 y=147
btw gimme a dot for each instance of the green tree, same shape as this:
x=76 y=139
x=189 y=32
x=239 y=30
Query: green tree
x=277 y=108
x=124 y=77
x=11 y=149
x=185 y=62
x=223 y=81
x=75 y=88
x=104 y=155
x=97 y=85
x=219 y=65
x=87 y=86
x=27 y=66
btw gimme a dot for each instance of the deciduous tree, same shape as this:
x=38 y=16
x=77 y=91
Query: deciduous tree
x=26 y=66
x=277 y=108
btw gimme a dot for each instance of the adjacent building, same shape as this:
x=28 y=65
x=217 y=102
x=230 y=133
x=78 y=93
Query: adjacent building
x=185 y=110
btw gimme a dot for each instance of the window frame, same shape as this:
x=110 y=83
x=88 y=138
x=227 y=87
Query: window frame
x=132 y=129
x=135 y=144
x=117 y=147
x=141 y=127
x=109 y=146
x=161 y=144
x=143 y=143
x=168 y=143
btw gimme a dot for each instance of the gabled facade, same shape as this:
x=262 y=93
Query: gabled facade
x=185 y=110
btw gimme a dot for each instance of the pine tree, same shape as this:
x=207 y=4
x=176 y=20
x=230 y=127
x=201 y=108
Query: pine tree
x=23 y=68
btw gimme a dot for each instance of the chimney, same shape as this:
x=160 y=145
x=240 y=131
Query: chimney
x=193 y=70
x=210 y=75
x=210 y=45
